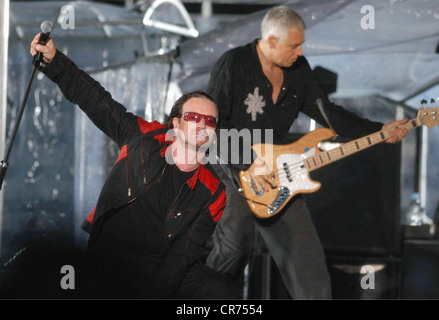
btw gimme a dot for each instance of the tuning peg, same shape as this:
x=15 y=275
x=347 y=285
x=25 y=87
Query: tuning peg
x=423 y=102
x=432 y=101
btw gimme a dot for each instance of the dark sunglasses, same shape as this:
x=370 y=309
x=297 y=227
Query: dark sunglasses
x=193 y=116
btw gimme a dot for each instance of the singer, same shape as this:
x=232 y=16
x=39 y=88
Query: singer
x=152 y=219
x=264 y=85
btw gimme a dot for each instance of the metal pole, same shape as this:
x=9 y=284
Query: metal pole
x=4 y=38
x=423 y=168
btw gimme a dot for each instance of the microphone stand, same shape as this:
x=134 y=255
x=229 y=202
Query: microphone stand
x=37 y=61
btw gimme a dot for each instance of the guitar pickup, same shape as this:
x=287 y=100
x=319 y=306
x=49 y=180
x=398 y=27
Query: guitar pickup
x=287 y=172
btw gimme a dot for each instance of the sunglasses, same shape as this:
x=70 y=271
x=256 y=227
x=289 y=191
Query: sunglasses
x=193 y=116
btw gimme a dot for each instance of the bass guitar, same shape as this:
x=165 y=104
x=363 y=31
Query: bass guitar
x=292 y=163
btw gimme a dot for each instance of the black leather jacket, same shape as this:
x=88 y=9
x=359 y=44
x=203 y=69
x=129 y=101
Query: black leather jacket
x=193 y=215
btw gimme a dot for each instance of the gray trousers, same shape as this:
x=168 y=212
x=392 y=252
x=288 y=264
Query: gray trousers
x=290 y=237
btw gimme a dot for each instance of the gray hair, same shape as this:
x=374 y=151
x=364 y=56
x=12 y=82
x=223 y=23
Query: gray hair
x=279 y=21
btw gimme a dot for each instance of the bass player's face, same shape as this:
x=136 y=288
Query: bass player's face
x=285 y=53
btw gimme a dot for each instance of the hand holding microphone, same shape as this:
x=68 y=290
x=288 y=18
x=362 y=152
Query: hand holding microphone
x=42 y=47
x=43 y=50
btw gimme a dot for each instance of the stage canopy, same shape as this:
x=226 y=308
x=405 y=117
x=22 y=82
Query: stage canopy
x=394 y=56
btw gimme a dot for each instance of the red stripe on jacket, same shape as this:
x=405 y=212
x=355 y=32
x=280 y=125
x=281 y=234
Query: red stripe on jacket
x=146 y=126
x=123 y=153
x=212 y=183
x=217 y=208
x=209 y=180
x=91 y=216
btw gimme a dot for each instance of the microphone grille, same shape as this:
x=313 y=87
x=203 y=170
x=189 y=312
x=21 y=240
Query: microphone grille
x=46 y=26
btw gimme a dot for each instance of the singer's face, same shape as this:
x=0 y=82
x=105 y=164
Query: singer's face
x=286 y=52
x=197 y=127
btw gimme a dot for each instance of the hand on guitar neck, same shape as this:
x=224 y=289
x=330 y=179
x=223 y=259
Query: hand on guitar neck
x=398 y=133
x=261 y=176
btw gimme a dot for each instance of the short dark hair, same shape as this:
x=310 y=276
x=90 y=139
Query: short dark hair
x=176 y=111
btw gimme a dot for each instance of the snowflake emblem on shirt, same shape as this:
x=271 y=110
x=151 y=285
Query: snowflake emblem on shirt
x=255 y=103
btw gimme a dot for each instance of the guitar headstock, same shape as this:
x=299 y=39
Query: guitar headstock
x=428 y=116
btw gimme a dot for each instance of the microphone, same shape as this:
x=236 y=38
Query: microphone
x=46 y=28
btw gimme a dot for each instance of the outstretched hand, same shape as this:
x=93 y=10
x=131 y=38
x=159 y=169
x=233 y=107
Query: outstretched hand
x=47 y=50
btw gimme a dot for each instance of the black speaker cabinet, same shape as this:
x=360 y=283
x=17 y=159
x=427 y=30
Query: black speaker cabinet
x=420 y=269
x=357 y=208
x=351 y=278
x=364 y=277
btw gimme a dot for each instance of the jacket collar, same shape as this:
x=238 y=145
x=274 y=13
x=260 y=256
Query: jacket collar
x=192 y=181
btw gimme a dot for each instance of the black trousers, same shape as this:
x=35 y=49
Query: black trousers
x=203 y=282
x=115 y=273
x=291 y=239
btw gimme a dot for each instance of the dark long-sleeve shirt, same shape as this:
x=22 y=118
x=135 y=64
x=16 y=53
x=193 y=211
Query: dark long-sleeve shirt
x=244 y=97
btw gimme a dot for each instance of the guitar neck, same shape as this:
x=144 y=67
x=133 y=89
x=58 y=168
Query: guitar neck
x=349 y=148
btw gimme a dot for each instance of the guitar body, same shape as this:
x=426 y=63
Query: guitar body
x=291 y=176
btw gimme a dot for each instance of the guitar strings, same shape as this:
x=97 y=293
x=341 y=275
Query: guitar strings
x=348 y=148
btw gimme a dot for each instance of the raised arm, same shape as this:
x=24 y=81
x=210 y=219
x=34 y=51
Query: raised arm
x=78 y=87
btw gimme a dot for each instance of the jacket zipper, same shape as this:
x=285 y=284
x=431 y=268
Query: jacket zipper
x=160 y=177
x=175 y=200
x=127 y=166
x=143 y=160
x=153 y=183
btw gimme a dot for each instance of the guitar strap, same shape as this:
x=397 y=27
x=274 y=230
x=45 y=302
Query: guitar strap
x=319 y=104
